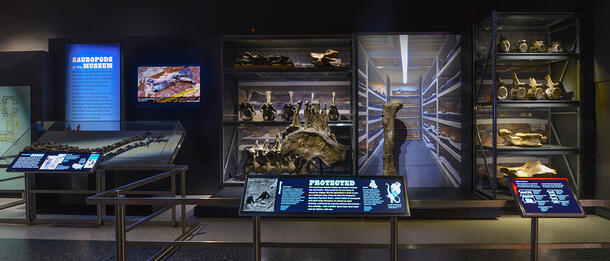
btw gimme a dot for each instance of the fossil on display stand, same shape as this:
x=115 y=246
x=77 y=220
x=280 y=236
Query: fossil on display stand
x=246 y=110
x=518 y=92
x=522 y=139
x=267 y=109
x=535 y=92
x=552 y=91
x=329 y=57
x=289 y=109
x=333 y=112
x=389 y=115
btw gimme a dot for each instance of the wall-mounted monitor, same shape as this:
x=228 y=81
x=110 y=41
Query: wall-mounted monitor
x=169 y=84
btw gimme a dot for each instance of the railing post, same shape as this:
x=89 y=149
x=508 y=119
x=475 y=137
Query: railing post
x=394 y=238
x=534 y=240
x=119 y=226
x=183 y=192
x=256 y=240
x=173 y=185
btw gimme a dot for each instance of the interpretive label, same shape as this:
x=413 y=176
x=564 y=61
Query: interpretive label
x=545 y=197
x=93 y=85
x=325 y=195
x=55 y=162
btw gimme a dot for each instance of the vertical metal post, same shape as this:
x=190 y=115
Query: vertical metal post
x=98 y=189
x=256 y=229
x=28 y=198
x=183 y=194
x=494 y=98
x=173 y=187
x=534 y=240
x=119 y=226
x=394 y=238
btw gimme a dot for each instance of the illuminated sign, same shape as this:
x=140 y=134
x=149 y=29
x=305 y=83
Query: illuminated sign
x=277 y=195
x=55 y=162
x=545 y=197
x=93 y=85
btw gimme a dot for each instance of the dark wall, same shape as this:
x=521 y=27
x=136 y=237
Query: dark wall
x=185 y=31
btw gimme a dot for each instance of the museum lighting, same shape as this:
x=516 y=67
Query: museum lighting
x=404 y=56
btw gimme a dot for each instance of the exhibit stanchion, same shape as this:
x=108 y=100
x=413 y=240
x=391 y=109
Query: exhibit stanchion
x=119 y=217
x=256 y=240
x=544 y=198
x=394 y=238
x=534 y=239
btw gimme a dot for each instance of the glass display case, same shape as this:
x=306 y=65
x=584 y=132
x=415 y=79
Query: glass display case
x=264 y=78
x=527 y=116
x=132 y=143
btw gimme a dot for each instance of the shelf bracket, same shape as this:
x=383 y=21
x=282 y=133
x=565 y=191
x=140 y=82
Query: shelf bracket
x=563 y=156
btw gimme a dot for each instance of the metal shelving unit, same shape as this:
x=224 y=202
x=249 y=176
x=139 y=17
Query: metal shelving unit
x=554 y=118
x=441 y=86
x=303 y=79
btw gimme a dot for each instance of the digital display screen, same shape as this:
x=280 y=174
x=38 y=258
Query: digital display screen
x=93 y=84
x=277 y=195
x=545 y=197
x=55 y=162
x=173 y=84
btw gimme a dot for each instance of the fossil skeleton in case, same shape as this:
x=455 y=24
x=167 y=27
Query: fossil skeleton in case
x=522 y=139
x=298 y=146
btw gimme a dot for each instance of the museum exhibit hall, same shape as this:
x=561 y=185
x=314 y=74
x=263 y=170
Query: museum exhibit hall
x=372 y=130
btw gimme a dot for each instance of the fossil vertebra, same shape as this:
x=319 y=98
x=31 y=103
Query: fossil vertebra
x=255 y=60
x=522 y=139
x=327 y=58
x=552 y=91
x=504 y=45
x=246 y=110
x=389 y=115
x=535 y=92
x=502 y=90
x=518 y=92
x=537 y=46
x=522 y=46
x=267 y=109
x=288 y=110
x=555 y=47
x=333 y=112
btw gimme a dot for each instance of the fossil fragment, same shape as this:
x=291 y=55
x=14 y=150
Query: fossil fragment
x=537 y=46
x=502 y=90
x=289 y=109
x=535 y=92
x=552 y=91
x=504 y=45
x=255 y=60
x=529 y=169
x=246 y=110
x=327 y=58
x=555 y=47
x=522 y=139
x=389 y=115
x=297 y=147
x=333 y=112
x=522 y=46
x=267 y=109
x=518 y=92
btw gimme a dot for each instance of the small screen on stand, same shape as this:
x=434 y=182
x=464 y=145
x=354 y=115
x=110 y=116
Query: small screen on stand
x=55 y=162
x=545 y=197
x=282 y=195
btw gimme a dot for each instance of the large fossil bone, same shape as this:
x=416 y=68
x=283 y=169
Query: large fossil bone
x=535 y=92
x=327 y=58
x=389 y=115
x=522 y=139
x=255 y=60
x=518 y=92
x=552 y=91
x=527 y=170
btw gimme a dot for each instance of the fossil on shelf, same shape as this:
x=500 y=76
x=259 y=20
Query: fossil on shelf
x=504 y=45
x=537 y=46
x=521 y=46
x=297 y=147
x=255 y=60
x=327 y=58
x=529 y=169
x=535 y=92
x=555 y=47
x=246 y=110
x=518 y=92
x=502 y=90
x=522 y=139
x=289 y=109
x=267 y=109
x=108 y=152
x=389 y=115
x=333 y=112
x=552 y=91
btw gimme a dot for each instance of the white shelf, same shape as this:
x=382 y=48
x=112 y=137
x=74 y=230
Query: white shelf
x=451 y=62
x=429 y=86
x=375 y=136
x=451 y=89
x=450 y=172
x=450 y=123
x=374 y=108
x=362 y=138
x=451 y=151
x=375 y=120
x=377 y=95
x=513 y=120
x=430 y=101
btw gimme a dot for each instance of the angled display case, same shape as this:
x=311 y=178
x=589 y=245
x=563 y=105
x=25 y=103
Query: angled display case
x=252 y=79
x=527 y=89
x=136 y=143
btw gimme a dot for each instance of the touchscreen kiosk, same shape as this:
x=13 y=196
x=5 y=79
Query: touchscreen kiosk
x=319 y=195
x=55 y=162
x=545 y=197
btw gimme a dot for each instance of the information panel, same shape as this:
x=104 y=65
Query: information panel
x=55 y=162
x=285 y=195
x=545 y=197
x=93 y=84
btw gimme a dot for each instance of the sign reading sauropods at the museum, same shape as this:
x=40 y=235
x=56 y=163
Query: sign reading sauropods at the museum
x=363 y=195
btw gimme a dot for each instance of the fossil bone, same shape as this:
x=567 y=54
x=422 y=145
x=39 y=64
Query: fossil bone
x=552 y=91
x=518 y=92
x=255 y=60
x=389 y=115
x=522 y=139
x=333 y=112
x=504 y=45
x=246 y=110
x=327 y=58
x=288 y=110
x=529 y=169
x=555 y=47
x=537 y=46
x=502 y=90
x=267 y=109
x=535 y=92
